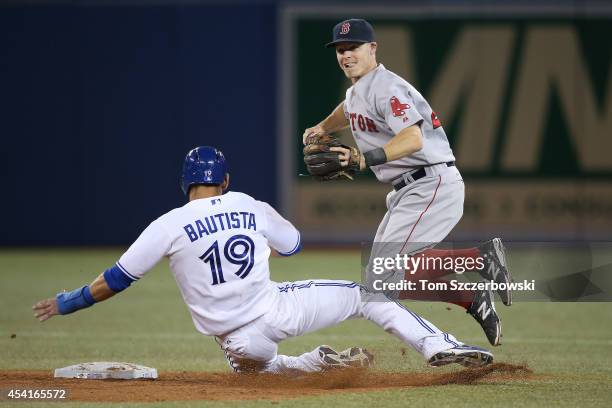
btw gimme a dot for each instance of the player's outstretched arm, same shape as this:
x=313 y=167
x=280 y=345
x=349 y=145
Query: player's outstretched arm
x=68 y=302
x=143 y=254
x=334 y=122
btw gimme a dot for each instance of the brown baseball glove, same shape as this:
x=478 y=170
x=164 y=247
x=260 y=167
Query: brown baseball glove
x=323 y=164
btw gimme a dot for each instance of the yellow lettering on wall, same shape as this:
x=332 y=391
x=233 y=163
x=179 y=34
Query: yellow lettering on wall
x=474 y=75
x=552 y=58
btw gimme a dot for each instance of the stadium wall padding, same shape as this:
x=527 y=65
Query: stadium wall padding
x=100 y=104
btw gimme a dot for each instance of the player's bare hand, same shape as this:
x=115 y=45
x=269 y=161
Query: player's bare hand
x=45 y=309
x=349 y=156
x=344 y=156
x=312 y=131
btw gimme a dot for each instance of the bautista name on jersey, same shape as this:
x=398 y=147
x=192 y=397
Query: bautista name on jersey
x=220 y=222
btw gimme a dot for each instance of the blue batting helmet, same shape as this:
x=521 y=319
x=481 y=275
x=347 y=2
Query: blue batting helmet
x=203 y=165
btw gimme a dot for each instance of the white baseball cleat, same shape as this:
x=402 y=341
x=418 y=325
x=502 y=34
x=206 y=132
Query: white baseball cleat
x=467 y=356
x=353 y=357
x=357 y=357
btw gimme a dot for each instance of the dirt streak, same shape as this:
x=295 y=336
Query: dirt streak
x=178 y=386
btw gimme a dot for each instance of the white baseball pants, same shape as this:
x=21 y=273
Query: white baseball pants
x=305 y=306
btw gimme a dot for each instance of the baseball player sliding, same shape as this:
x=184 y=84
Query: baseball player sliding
x=401 y=139
x=218 y=247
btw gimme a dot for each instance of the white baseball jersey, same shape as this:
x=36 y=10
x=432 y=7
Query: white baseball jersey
x=378 y=106
x=218 y=251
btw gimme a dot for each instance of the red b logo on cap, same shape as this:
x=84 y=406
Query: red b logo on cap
x=346 y=27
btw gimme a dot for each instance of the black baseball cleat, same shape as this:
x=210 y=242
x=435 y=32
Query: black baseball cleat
x=496 y=269
x=353 y=357
x=467 y=356
x=483 y=310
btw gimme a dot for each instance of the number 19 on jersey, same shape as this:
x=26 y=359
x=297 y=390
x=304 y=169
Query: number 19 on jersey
x=238 y=250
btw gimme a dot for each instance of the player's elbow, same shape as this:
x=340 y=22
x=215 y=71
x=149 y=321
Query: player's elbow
x=113 y=281
x=411 y=140
x=296 y=248
x=414 y=143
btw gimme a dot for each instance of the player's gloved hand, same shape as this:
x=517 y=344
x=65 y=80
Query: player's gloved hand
x=325 y=162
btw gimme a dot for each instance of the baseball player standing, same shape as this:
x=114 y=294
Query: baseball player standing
x=401 y=139
x=218 y=247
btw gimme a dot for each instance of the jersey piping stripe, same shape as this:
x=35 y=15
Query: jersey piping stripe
x=129 y=275
x=321 y=284
x=295 y=248
x=421 y=215
x=294 y=286
x=422 y=322
x=417 y=318
x=448 y=340
x=309 y=284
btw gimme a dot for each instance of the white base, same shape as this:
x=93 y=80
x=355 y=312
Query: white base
x=106 y=369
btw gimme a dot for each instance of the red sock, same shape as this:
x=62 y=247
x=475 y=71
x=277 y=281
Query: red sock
x=454 y=253
x=461 y=298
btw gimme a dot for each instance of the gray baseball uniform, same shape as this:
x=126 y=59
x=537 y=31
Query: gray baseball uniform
x=378 y=106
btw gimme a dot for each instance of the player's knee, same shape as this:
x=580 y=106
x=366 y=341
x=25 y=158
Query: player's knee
x=249 y=346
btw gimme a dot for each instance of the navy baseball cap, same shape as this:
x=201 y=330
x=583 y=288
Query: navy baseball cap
x=352 y=30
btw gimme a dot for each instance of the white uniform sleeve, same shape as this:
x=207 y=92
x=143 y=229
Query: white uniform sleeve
x=398 y=108
x=281 y=234
x=150 y=247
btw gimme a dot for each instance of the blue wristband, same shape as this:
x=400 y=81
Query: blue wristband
x=68 y=302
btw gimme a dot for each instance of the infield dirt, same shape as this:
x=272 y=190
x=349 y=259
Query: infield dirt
x=178 y=386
